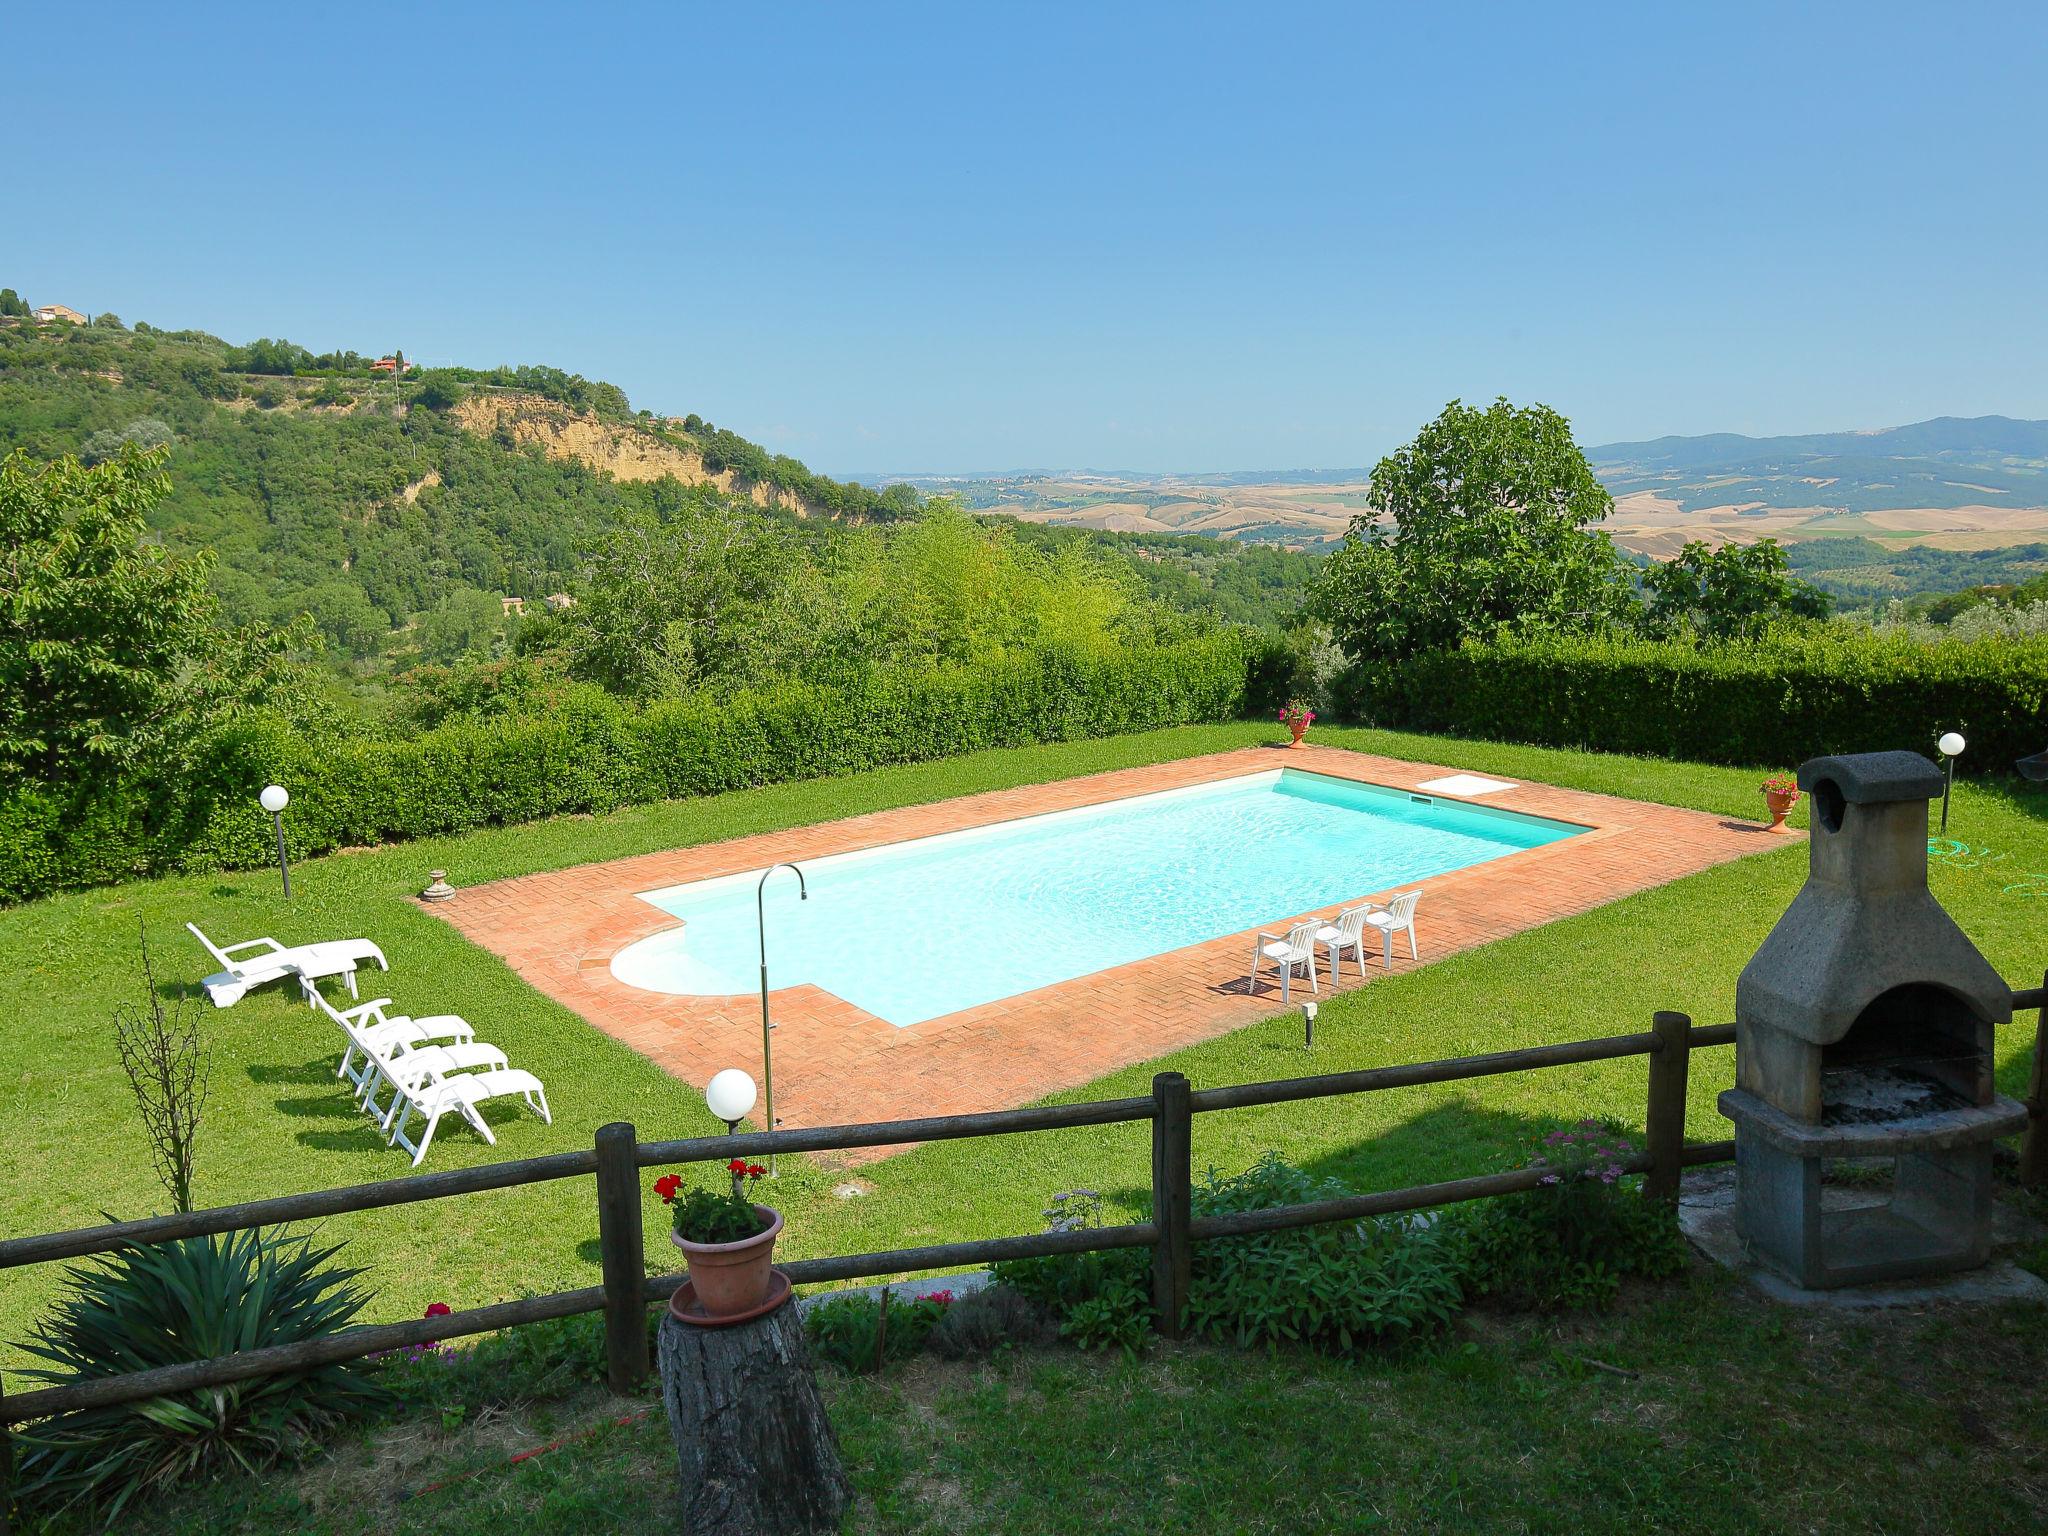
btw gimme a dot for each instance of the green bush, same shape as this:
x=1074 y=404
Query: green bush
x=1331 y=1287
x=593 y=753
x=1568 y=1244
x=1102 y=1300
x=1793 y=695
x=175 y=1302
x=986 y=1321
x=860 y=1334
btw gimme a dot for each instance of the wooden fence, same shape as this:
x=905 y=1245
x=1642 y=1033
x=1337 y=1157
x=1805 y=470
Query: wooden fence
x=626 y=1291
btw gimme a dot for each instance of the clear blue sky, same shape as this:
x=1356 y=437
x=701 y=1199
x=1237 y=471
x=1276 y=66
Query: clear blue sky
x=1002 y=236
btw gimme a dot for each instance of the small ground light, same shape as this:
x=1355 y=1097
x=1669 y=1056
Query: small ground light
x=274 y=800
x=1308 y=1026
x=1951 y=747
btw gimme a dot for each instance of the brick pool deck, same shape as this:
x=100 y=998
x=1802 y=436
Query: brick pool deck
x=836 y=1064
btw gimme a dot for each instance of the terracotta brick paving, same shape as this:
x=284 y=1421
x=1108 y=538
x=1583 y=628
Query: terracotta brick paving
x=837 y=1064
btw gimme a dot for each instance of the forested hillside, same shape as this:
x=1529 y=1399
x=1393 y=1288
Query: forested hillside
x=399 y=508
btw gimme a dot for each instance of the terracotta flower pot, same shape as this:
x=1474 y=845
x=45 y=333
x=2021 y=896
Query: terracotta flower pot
x=1780 y=804
x=1297 y=729
x=732 y=1277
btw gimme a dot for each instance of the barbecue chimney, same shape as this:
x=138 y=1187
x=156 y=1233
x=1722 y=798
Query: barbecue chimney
x=1864 y=1030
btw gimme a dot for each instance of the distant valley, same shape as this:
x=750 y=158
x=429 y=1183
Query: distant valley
x=1951 y=483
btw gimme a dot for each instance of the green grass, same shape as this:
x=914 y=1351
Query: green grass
x=277 y=1121
x=1696 y=1406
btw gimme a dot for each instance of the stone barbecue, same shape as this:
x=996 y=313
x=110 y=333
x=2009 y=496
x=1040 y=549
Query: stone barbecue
x=1864 y=1030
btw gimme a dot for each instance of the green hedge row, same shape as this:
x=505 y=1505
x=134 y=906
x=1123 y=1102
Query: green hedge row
x=1777 y=701
x=596 y=754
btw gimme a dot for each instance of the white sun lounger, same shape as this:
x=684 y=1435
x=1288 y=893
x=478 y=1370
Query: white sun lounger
x=430 y=1093
x=369 y=1029
x=273 y=962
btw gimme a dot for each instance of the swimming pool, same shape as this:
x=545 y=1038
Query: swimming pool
x=913 y=930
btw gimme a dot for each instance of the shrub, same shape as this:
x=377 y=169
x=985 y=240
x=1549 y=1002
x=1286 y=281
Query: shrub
x=1101 y=1300
x=1788 y=697
x=1331 y=1287
x=1567 y=1244
x=861 y=1334
x=592 y=753
x=163 y=1305
x=985 y=1321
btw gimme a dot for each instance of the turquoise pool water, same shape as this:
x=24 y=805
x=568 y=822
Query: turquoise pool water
x=914 y=930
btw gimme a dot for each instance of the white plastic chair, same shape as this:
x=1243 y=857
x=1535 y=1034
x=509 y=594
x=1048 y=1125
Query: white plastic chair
x=367 y=1028
x=1295 y=947
x=1346 y=933
x=395 y=1060
x=1397 y=916
x=427 y=1092
x=274 y=962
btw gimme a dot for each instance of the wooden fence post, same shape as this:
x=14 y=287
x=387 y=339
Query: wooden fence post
x=1664 y=1125
x=6 y=1472
x=1172 y=1195
x=2034 y=1148
x=622 y=1252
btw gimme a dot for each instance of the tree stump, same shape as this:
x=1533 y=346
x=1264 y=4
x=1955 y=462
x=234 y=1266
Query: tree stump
x=758 y=1454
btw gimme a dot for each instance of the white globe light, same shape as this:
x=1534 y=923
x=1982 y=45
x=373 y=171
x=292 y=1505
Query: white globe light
x=1951 y=744
x=730 y=1095
x=274 y=799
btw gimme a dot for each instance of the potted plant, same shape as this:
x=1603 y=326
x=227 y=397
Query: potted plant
x=1296 y=717
x=728 y=1242
x=1781 y=793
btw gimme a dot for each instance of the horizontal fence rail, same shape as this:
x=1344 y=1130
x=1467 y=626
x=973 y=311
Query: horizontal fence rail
x=628 y=1292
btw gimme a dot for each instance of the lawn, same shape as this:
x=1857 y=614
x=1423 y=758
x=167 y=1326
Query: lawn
x=1696 y=1406
x=278 y=1122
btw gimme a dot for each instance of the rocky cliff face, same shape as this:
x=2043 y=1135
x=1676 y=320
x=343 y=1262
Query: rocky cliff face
x=624 y=452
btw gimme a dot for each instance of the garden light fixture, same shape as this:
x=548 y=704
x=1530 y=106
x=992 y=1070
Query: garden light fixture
x=729 y=1096
x=274 y=800
x=768 y=1050
x=1308 y=1026
x=1951 y=747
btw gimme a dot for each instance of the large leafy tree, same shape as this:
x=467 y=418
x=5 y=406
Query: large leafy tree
x=112 y=653
x=1487 y=520
x=1734 y=592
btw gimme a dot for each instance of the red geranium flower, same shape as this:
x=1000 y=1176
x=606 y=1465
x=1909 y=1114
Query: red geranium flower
x=756 y=1171
x=737 y=1165
x=666 y=1187
x=438 y=1309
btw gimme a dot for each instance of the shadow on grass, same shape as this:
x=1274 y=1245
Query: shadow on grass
x=305 y=1073
x=1455 y=1140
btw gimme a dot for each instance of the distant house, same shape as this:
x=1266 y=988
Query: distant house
x=64 y=312
x=557 y=601
x=390 y=365
x=512 y=605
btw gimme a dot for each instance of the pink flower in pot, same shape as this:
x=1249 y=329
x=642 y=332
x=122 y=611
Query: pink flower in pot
x=728 y=1242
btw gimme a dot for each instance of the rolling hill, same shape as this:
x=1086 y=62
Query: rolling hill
x=1951 y=483
x=378 y=498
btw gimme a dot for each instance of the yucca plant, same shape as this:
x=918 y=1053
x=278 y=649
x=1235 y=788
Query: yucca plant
x=143 y=1307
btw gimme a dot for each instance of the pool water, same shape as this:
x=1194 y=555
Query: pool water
x=914 y=930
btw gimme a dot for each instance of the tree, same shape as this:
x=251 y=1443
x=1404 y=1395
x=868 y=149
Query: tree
x=112 y=653
x=168 y=1066
x=1734 y=592
x=108 y=321
x=145 y=435
x=1489 y=523
x=12 y=303
x=438 y=391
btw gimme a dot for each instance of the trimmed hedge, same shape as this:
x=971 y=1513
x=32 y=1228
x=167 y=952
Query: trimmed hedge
x=1776 y=701
x=596 y=754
